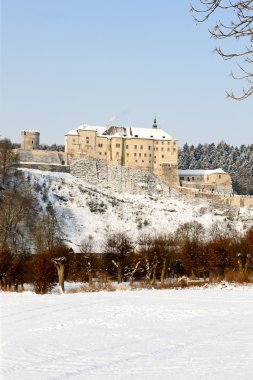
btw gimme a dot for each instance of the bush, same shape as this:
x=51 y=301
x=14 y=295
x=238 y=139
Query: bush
x=44 y=275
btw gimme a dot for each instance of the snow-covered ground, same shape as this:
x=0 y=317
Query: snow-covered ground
x=159 y=334
x=87 y=210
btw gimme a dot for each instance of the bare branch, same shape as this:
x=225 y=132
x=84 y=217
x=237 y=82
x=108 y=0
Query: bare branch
x=240 y=26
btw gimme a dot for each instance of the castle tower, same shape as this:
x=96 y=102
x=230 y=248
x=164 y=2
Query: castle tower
x=30 y=140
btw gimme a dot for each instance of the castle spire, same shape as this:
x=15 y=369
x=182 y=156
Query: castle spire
x=154 y=124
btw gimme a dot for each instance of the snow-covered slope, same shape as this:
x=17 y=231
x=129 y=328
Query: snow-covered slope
x=85 y=210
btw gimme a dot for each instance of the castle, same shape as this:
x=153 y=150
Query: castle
x=147 y=149
x=150 y=149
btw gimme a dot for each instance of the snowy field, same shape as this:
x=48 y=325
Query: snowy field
x=159 y=334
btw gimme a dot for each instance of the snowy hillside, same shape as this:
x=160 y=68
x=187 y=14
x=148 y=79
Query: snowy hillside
x=85 y=210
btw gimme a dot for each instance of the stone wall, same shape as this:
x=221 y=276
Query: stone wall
x=221 y=198
x=41 y=156
x=118 y=178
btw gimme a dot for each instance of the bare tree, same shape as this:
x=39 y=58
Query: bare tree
x=18 y=210
x=133 y=265
x=163 y=245
x=117 y=247
x=7 y=159
x=88 y=258
x=44 y=278
x=149 y=257
x=236 y=24
x=50 y=235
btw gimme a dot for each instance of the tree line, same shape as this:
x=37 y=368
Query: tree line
x=152 y=261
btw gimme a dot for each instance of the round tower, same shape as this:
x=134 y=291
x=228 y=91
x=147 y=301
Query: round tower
x=30 y=140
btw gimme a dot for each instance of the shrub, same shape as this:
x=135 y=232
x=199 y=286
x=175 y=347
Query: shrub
x=44 y=276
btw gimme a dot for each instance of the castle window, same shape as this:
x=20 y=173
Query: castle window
x=127 y=154
x=126 y=146
x=219 y=176
x=135 y=147
x=149 y=148
x=117 y=145
x=141 y=146
x=157 y=143
x=188 y=179
x=100 y=153
x=207 y=178
x=142 y=160
x=32 y=141
x=100 y=145
x=162 y=142
x=155 y=157
x=181 y=178
x=168 y=142
x=117 y=153
x=136 y=160
x=174 y=149
x=150 y=155
x=105 y=153
x=162 y=149
x=192 y=178
x=174 y=143
x=168 y=149
x=139 y=154
x=145 y=155
x=156 y=148
x=87 y=140
x=162 y=156
x=135 y=154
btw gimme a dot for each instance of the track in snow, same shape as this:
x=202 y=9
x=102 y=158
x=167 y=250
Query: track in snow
x=174 y=334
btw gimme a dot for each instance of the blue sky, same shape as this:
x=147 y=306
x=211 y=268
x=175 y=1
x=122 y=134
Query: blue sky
x=67 y=62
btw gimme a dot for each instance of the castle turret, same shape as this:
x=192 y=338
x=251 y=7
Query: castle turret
x=30 y=140
x=154 y=124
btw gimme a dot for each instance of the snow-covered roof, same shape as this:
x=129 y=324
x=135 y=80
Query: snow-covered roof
x=75 y=132
x=148 y=133
x=124 y=132
x=201 y=171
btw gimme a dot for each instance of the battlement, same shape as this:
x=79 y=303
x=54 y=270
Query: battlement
x=220 y=197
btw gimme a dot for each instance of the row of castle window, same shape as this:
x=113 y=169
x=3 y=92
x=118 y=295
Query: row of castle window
x=135 y=147
x=135 y=154
x=197 y=178
x=141 y=147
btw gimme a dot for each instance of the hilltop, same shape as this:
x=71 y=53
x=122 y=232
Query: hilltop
x=84 y=209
